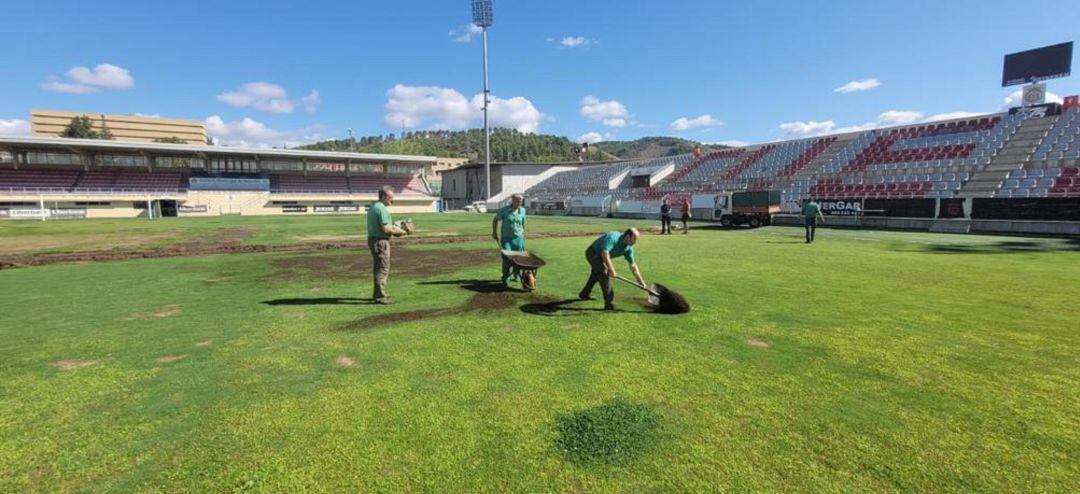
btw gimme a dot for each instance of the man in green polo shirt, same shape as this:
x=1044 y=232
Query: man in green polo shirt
x=599 y=254
x=380 y=227
x=513 y=231
x=811 y=211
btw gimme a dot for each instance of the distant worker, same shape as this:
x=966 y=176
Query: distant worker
x=812 y=212
x=665 y=217
x=513 y=231
x=380 y=227
x=685 y=216
x=599 y=254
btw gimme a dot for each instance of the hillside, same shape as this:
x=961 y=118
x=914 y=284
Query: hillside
x=652 y=147
x=506 y=145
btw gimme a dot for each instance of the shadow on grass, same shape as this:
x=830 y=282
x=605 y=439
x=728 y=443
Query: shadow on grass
x=320 y=301
x=1002 y=247
x=478 y=286
x=564 y=308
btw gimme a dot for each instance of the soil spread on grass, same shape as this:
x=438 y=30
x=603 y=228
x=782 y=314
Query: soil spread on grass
x=482 y=301
x=357 y=265
x=233 y=243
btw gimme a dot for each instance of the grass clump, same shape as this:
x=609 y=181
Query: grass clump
x=610 y=434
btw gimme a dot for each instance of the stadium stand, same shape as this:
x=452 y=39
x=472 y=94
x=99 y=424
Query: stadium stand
x=1006 y=155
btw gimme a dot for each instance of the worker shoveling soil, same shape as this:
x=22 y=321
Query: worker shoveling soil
x=663 y=299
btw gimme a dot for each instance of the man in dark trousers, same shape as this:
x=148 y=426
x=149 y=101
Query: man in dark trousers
x=380 y=227
x=599 y=254
x=665 y=217
x=686 y=216
x=811 y=211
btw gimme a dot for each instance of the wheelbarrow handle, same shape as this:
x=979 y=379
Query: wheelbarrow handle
x=637 y=285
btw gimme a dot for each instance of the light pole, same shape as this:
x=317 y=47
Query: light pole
x=483 y=17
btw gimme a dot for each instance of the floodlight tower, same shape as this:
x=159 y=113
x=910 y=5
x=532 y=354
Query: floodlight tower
x=483 y=17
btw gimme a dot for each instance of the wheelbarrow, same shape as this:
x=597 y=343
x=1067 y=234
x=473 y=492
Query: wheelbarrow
x=526 y=264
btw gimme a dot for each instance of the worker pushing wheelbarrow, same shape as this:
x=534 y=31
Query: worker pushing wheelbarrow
x=512 y=238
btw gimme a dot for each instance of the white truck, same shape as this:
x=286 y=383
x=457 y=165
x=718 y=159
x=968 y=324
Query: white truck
x=738 y=208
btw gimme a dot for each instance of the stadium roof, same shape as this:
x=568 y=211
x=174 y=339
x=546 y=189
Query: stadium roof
x=97 y=146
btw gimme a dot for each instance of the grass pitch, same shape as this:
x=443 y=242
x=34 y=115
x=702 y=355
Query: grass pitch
x=868 y=361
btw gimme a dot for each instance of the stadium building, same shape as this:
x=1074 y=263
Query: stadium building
x=1016 y=171
x=52 y=123
x=49 y=177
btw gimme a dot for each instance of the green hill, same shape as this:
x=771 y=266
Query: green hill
x=648 y=147
x=506 y=145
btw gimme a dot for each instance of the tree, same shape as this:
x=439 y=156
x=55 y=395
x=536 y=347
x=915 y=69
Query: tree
x=81 y=127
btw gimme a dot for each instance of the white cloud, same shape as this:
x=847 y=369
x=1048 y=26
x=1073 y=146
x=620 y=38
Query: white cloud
x=84 y=80
x=68 y=87
x=890 y=118
x=610 y=113
x=1015 y=98
x=445 y=108
x=952 y=116
x=807 y=129
x=248 y=132
x=590 y=137
x=465 y=33
x=576 y=41
x=311 y=102
x=898 y=117
x=14 y=128
x=863 y=85
x=705 y=120
x=268 y=97
x=732 y=143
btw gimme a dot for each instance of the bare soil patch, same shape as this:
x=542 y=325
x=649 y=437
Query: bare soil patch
x=204 y=343
x=168 y=359
x=39 y=474
x=754 y=342
x=232 y=243
x=354 y=265
x=72 y=364
x=167 y=311
x=345 y=361
x=481 y=301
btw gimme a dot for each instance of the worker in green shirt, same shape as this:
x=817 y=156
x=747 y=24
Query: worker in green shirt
x=811 y=211
x=513 y=231
x=599 y=254
x=380 y=227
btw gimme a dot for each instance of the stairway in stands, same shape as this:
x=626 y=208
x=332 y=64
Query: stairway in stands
x=813 y=169
x=1017 y=151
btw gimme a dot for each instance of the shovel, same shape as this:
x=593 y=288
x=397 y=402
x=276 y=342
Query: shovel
x=665 y=301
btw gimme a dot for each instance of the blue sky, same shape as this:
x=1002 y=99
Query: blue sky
x=273 y=72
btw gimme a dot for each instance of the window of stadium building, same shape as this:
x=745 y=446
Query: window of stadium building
x=5 y=158
x=120 y=160
x=326 y=167
x=53 y=159
x=233 y=165
x=178 y=162
x=366 y=167
x=402 y=169
x=281 y=165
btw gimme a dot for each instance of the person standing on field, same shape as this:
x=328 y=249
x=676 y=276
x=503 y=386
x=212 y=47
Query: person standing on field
x=686 y=216
x=599 y=254
x=380 y=227
x=811 y=211
x=513 y=231
x=665 y=217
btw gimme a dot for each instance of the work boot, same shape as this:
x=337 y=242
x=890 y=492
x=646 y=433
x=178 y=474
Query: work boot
x=609 y=307
x=584 y=296
x=384 y=301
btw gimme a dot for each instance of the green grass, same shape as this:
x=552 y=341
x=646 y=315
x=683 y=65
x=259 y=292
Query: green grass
x=28 y=237
x=868 y=361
